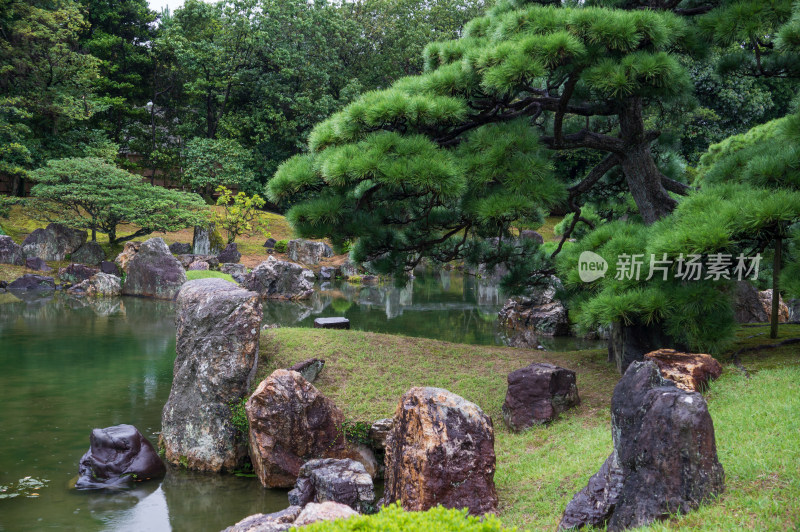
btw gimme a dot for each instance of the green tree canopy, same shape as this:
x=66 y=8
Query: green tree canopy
x=92 y=194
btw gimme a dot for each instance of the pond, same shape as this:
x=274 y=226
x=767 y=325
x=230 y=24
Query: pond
x=70 y=365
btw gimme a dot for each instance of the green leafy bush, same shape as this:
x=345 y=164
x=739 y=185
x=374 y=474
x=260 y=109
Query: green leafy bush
x=394 y=518
x=280 y=246
x=239 y=419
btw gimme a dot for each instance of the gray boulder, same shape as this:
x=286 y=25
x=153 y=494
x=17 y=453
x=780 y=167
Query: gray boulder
x=531 y=235
x=233 y=268
x=110 y=268
x=90 y=253
x=307 y=251
x=53 y=242
x=37 y=264
x=664 y=460
x=198 y=265
x=218 y=327
x=274 y=522
x=32 y=282
x=270 y=243
x=309 y=369
x=339 y=480
x=379 y=431
x=154 y=272
x=277 y=279
x=229 y=254
x=180 y=248
x=11 y=252
x=99 y=285
x=327 y=273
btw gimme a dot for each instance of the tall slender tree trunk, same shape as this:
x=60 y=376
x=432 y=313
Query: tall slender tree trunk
x=641 y=173
x=776 y=295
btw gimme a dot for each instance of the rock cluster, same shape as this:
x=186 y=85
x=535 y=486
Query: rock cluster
x=276 y=279
x=440 y=451
x=118 y=456
x=153 y=272
x=664 y=459
x=218 y=329
x=539 y=313
x=537 y=394
x=309 y=369
x=76 y=273
x=99 y=285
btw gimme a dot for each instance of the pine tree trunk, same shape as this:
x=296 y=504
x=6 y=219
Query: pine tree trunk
x=641 y=173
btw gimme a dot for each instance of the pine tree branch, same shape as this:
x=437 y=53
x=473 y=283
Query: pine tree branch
x=675 y=186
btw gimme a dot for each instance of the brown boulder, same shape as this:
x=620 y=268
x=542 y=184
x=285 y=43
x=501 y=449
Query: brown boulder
x=765 y=296
x=690 y=371
x=440 y=451
x=537 y=394
x=128 y=252
x=291 y=422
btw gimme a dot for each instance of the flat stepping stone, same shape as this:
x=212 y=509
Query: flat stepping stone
x=331 y=323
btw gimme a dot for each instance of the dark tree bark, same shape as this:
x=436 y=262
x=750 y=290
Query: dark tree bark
x=644 y=179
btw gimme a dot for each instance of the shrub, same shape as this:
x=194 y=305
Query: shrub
x=280 y=246
x=394 y=518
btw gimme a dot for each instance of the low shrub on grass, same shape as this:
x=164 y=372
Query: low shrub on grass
x=394 y=518
x=280 y=246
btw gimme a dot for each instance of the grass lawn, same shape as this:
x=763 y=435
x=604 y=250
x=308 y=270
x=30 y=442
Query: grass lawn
x=757 y=419
x=191 y=275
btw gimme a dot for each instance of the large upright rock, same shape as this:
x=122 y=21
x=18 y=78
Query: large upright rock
x=537 y=394
x=218 y=327
x=118 y=456
x=664 y=460
x=277 y=279
x=440 y=451
x=291 y=422
x=154 y=272
x=206 y=240
x=10 y=252
x=53 y=242
x=230 y=254
x=307 y=251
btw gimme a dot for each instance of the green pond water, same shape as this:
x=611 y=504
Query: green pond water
x=69 y=365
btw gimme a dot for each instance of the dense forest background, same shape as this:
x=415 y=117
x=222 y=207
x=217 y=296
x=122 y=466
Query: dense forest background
x=222 y=93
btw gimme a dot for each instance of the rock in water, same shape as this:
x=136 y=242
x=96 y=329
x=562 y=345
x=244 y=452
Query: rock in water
x=332 y=323
x=537 y=394
x=218 y=326
x=118 y=456
x=90 y=253
x=338 y=480
x=76 y=273
x=277 y=279
x=33 y=282
x=230 y=254
x=664 y=460
x=154 y=272
x=307 y=251
x=53 y=242
x=440 y=451
x=99 y=285
x=291 y=423
x=10 y=252
x=689 y=371
x=540 y=314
